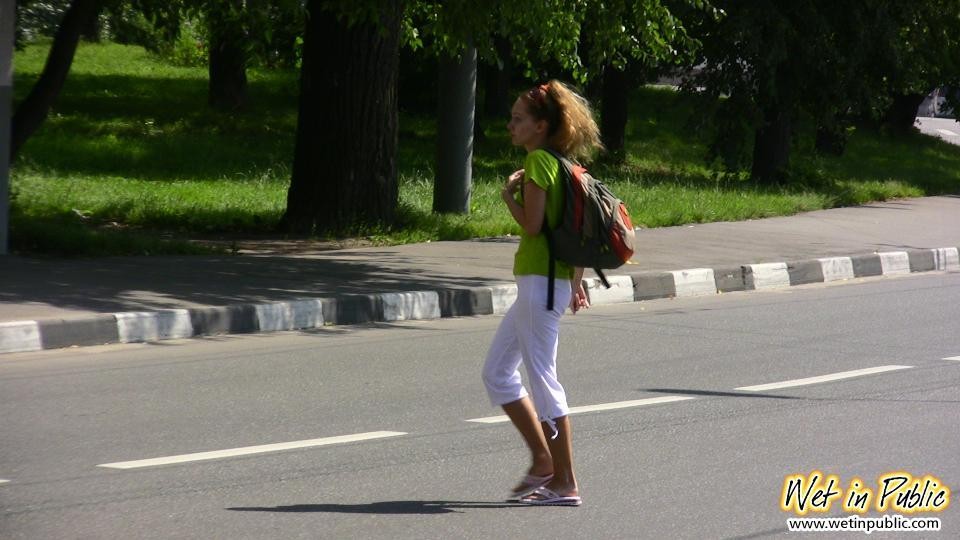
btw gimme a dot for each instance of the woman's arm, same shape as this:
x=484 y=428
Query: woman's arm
x=530 y=214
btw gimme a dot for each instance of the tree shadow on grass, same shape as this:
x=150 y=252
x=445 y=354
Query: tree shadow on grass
x=163 y=98
x=162 y=128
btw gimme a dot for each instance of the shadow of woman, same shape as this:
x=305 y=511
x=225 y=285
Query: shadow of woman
x=385 y=507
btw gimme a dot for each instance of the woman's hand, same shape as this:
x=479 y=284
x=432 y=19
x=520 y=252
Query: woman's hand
x=579 y=300
x=514 y=181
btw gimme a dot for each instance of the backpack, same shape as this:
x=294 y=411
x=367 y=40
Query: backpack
x=595 y=229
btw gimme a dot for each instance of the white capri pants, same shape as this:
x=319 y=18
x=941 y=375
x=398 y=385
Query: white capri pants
x=528 y=334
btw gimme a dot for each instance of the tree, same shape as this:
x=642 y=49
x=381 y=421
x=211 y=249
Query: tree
x=497 y=80
x=345 y=159
x=227 y=33
x=235 y=32
x=33 y=110
x=922 y=53
x=781 y=61
x=453 y=30
x=238 y=31
x=774 y=62
x=629 y=42
x=344 y=174
x=614 y=32
x=344 y=166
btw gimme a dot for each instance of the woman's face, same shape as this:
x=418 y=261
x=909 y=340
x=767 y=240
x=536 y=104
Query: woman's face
x=525 y=130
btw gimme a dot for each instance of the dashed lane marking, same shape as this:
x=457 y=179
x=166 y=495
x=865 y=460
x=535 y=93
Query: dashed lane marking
x=247 y=450
x=598 y=407
x=310 y=443
x=952 y=358
x=822 y=378
x=948 y=133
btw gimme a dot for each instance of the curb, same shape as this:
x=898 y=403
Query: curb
x=149 y=326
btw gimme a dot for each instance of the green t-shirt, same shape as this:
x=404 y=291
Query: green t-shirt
x=532 y=256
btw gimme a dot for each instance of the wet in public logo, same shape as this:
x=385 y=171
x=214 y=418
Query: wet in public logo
x=898 y=492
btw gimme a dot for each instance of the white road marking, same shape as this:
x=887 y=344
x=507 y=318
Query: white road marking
x=821 y=378
x=598 y=407
x=247 y=450
x=2 y=481
x=952 y=358
x=948 y=133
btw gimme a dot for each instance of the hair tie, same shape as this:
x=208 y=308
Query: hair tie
x=538 y=94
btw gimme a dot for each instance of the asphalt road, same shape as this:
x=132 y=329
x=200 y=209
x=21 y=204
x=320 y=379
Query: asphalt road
x=710 y=466
x=947 y=129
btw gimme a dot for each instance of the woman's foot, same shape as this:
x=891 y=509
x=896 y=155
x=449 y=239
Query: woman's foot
x=561 y=486
x=558 y=486
x=544 y=496
x=529 y=484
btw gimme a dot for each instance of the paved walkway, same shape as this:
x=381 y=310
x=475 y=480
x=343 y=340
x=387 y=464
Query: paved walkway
x=49 y=290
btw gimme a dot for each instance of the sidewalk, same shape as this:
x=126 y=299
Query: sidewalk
x=48 y=303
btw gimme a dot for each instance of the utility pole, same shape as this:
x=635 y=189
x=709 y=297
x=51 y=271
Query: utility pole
x=7 y=15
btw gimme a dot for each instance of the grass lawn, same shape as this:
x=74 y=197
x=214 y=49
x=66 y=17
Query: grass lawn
x=131 y=159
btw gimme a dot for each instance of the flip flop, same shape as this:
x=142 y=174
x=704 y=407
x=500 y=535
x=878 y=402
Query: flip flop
x=544 y=496
x=529 y=484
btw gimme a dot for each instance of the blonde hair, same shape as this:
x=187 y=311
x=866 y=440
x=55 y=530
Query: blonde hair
x=571 y=128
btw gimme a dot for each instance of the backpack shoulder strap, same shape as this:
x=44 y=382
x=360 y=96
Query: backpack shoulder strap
x=551 y=264
x=559 y=157
x=547 y=233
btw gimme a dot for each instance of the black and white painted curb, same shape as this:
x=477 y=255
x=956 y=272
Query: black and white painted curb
x=133 y=327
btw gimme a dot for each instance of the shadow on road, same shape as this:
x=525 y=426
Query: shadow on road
x=385 y=507
x=716 y=394
x=712 y=393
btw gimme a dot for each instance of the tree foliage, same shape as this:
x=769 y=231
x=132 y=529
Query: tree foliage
x=780 y=61
x=650 y=33
x=921 y=45
x=767 y=65
x=581 y=36
x=548 y=31
x=920 y=51
x=37 y=18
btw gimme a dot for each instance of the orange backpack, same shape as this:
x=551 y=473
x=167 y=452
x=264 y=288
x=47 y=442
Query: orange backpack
x=595 y=230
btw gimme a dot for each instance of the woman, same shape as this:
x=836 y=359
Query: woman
x=548 y=116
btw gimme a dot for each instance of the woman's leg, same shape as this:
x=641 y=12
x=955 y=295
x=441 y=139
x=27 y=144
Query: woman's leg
x=561 y=448
x=524 y=418
x=502 y=380
x=538 y=333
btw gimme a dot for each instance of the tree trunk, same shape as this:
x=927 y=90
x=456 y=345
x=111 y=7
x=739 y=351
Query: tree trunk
x=345 y=156
x=771 y=149
x=903 y=112
x=91 y=30
x=7 y=14
x=831 y=140
x=613 y=114
x=496 y=90
x=497 y=100
x=34 y=109
x=227 y=59
x=456 y=105
x=479 y=136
